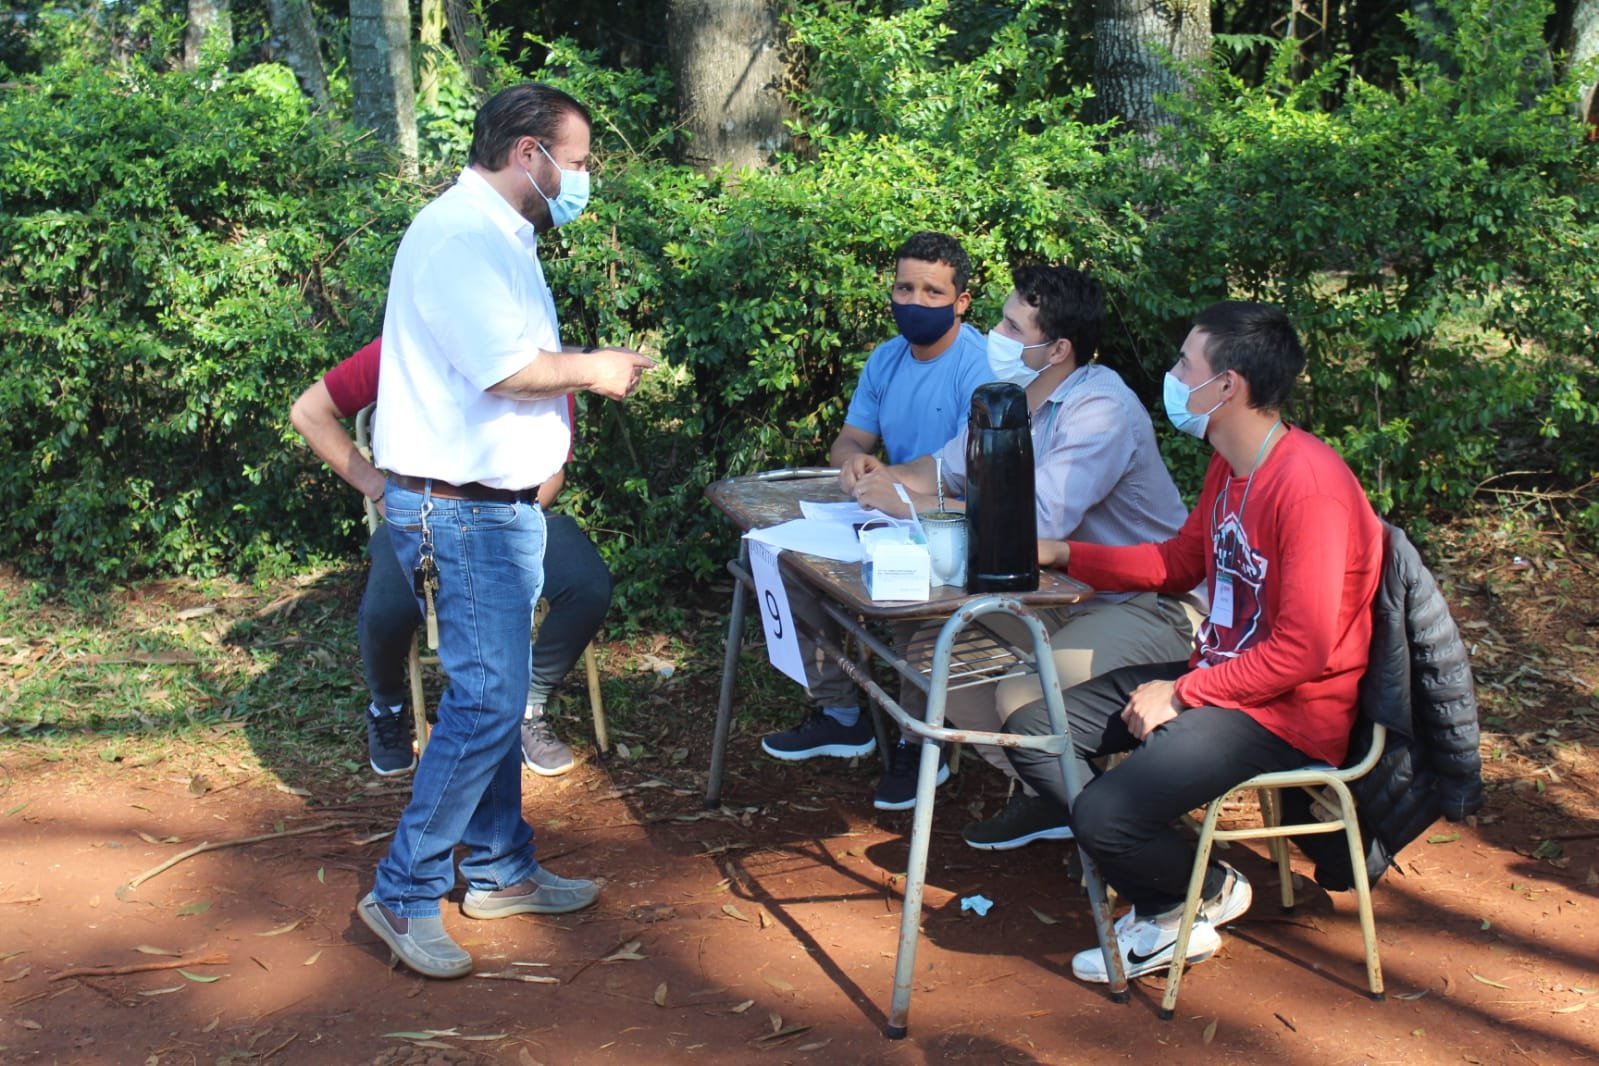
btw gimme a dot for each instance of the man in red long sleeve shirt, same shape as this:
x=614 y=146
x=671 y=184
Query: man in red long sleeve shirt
x=1290 y=551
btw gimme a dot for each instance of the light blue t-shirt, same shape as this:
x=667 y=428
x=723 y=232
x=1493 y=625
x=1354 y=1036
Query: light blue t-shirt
x=915 y=407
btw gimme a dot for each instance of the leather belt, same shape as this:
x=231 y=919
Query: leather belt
x=472 y=490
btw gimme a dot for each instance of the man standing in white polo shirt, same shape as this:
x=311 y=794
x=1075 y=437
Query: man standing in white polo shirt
x=471 y=388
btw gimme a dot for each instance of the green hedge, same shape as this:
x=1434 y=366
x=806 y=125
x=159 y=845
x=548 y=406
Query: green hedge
x=177 y=260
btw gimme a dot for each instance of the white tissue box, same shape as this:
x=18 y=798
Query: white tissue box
x=894 y=568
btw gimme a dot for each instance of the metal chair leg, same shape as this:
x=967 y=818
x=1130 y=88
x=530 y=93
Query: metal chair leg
x=915 y=880
x=1196 y=891
x=419 y=707
x=602 y=739
x=1357 y=861
x=1271 y=802
x=724 y=702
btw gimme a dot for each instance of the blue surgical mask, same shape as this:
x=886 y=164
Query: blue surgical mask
x=570 y=199
x=1175 y=397
x=923 y=325
x=1005 y=359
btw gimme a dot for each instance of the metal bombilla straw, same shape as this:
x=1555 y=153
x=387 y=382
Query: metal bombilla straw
x=938 y=474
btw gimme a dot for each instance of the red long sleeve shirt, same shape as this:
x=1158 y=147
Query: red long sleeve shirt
x=1303 y=559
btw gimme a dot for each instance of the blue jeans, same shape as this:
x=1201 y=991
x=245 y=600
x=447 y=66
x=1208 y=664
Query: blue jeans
x=577 y=586
x=468 y=784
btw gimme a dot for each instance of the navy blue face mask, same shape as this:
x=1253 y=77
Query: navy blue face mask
x=923 y=325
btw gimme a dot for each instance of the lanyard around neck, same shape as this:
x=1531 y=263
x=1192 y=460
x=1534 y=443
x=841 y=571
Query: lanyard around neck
x=1221 y=497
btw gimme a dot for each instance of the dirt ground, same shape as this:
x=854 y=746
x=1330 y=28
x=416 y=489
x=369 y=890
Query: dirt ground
x=765 y=932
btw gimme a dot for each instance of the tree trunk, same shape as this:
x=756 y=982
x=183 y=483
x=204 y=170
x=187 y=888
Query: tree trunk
x=380 y=75
x=1136 y=43
x=294 y=38
x=1585 y=47
x=430 y=34
x=206 y=17
x=728 y=68
x=466 y=37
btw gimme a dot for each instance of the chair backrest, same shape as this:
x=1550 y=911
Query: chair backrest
x=1417 y=658
x=363 y=441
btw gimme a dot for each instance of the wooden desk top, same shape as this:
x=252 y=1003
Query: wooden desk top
x=753 y=503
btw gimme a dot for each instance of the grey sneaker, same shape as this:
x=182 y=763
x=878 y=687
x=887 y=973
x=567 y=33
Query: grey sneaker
x=543 y=893
x=420 y=943
x=388 y=741
x=1024 y=820
x=1231 y=900
x=542 y=751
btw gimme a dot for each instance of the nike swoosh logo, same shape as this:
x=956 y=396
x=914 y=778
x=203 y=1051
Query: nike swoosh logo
x=1138 y=960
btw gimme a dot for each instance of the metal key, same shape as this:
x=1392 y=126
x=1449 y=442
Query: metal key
x=427 y=583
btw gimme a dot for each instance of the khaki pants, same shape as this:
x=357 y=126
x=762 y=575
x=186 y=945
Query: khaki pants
x=829 y=685
x=1092 y=640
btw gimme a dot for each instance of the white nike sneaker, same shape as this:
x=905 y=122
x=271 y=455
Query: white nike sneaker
x=1146 y=945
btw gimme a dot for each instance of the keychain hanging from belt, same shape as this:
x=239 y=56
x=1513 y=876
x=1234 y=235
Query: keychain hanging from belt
x=426 y=576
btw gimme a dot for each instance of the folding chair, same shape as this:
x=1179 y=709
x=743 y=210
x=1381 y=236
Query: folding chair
x=1328 y=788
x=415 y=660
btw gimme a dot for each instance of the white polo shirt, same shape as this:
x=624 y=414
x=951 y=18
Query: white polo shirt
x=468 y=307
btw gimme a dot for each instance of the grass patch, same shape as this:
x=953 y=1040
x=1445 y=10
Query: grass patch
x=174 y=661
x=188 y=669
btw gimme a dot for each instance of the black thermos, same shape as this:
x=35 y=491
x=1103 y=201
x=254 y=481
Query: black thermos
x=1002 y=541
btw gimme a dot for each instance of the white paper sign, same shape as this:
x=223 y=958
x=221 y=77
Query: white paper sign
x=771 y=599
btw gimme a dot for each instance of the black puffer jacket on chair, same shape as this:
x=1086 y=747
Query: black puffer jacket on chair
x=1418 y=684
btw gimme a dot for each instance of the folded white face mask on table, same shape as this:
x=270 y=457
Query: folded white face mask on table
x=895 y=566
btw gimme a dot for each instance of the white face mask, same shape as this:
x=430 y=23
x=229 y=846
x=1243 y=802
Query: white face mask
x=1174 y=397
x=570 y=198
x=1005 y=359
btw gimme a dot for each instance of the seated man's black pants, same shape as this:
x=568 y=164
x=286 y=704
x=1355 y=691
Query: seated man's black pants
x=1124 y=817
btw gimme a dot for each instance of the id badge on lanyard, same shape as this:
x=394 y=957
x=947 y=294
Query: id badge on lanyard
x=1221 y=602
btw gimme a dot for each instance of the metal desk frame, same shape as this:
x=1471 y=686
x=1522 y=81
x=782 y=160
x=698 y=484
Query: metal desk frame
x=962 y=611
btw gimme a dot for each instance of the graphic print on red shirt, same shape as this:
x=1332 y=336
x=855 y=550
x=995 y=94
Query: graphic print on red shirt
x=1234 y=622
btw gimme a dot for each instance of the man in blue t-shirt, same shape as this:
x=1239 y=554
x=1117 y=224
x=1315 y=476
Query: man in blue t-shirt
x=912 y=397
x=915 y=388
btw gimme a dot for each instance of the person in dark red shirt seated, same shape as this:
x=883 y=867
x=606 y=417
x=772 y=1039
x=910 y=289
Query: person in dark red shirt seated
x=577 y=585
x=1290 y=552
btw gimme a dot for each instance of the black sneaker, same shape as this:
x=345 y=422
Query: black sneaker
x=388 y=741
x=822 y=734
x=897 y=790
x=1024 y=820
